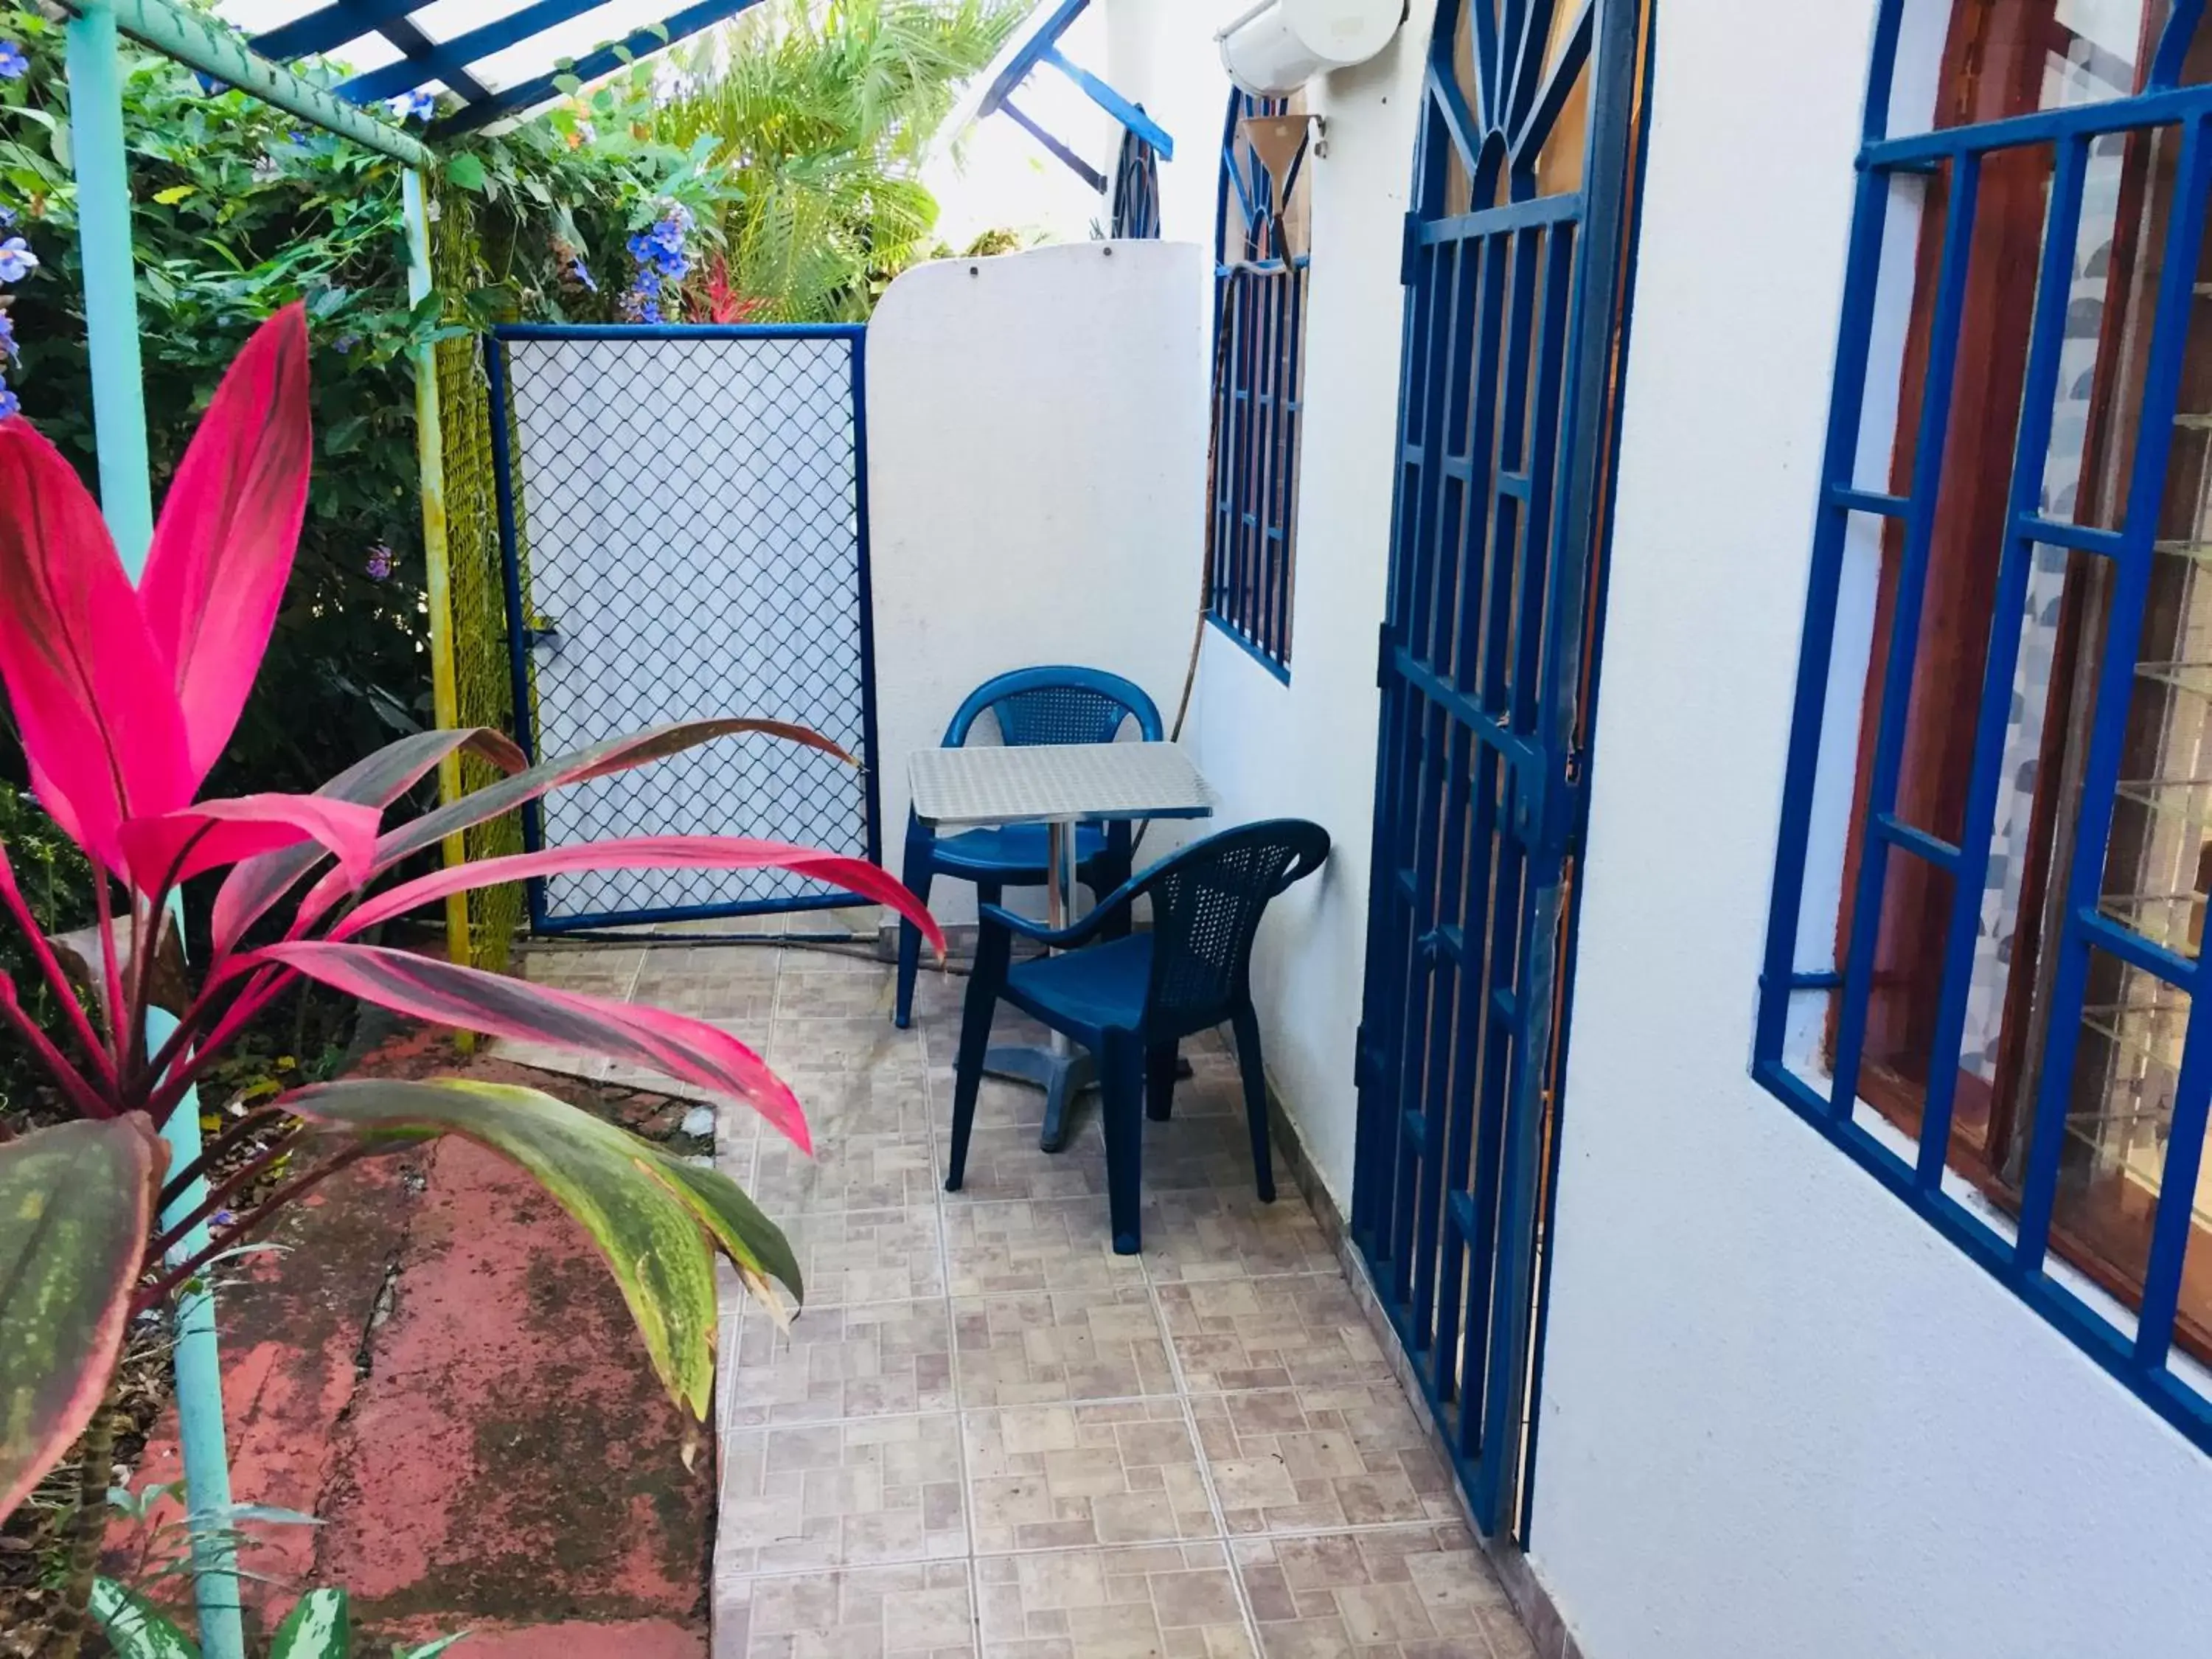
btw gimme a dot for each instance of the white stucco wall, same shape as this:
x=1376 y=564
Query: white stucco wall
x=1037 y=455
x=1782 y=1418
x=1307 y=749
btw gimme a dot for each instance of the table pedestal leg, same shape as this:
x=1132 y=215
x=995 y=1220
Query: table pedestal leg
x=1061 y=1070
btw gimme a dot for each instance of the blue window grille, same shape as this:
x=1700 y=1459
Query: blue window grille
x=1984 y=952
x=1260 y=300
x=1137 y=188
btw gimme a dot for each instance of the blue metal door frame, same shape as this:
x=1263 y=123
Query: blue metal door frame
x=858 y=830
x=1514 y=324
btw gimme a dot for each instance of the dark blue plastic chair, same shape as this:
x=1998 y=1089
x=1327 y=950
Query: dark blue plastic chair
x=1060 y=703
x=1131 y=999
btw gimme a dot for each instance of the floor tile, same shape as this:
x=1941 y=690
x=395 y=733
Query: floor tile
x=599 y=971
x=889 y=1098
x=1192 y=1236
x=842 y=1495
x=1416 y=1593
x=745 y=997
x=1044 y=1347
x=869 y=1360
x=891 y=1254
x=918 y=1612
x=847 y=1171
x=1172 y=1600
x=1042 y=1477
x=841 y=1038
x=1291 y=1460
x=1005 y=1163
x=997 y=1249
x=1237 y=1333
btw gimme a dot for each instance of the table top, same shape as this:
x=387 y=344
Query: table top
x=1042 y=783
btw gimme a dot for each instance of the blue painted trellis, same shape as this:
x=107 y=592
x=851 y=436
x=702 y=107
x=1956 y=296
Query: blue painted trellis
x=1515 y=267
x=1259 y=393
x=1036 y=45
x=1137 y=189
x=2090 y=936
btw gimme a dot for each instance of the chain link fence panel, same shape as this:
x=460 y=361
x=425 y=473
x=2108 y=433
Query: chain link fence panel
x=687 y=539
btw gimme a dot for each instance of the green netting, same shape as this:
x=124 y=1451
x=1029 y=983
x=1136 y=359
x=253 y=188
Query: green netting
x=482 y=686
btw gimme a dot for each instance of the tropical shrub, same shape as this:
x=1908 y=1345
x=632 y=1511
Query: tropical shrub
x=124 y=698
x=319 y=1627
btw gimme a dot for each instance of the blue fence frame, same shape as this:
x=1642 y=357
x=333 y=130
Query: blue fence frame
x=2019 y=1261
x=1514 y=334
x=1259 y=320
x=522 y=634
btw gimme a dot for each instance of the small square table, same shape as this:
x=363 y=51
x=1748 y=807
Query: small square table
x=1057 y=785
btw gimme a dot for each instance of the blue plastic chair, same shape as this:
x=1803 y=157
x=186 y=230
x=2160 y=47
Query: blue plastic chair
x=1060 y=703
x=1131 y=999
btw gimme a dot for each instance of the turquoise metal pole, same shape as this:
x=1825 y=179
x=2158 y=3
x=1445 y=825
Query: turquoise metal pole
x=126 y=495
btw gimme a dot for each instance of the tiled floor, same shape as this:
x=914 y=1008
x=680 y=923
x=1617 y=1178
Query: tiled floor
x=988 y=1436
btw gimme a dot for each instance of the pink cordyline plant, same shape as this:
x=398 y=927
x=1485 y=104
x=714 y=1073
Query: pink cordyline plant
x=123 y=698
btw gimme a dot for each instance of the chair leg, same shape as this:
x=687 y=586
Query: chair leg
x=1121 y=1090
x=1159 y=1081
x=1246 y=1026
x=991 y=947
x=917 y=878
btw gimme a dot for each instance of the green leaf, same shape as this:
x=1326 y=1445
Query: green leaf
x=567 y=84
x=431 y=1649
x=134 y=1627
x=76 y=1202
x=174 y=194
x=466 y=170
x=652 y=1224
x=319 y=1627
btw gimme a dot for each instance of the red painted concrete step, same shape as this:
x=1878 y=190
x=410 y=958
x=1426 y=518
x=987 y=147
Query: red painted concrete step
x=440 y=1370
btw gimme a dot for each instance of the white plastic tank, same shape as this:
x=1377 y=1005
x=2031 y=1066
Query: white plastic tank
x=1276 y=47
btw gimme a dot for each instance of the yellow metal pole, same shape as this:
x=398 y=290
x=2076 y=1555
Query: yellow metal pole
x=430 y=463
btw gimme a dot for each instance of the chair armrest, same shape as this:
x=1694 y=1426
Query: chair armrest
x=1063 y=938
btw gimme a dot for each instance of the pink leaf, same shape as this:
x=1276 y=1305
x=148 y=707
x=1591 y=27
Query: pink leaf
x=377 y=780
x=655 y=853
x=503 y=795
x=160 y=852
x=428 y=988
x=223 y=548
x=98 y=715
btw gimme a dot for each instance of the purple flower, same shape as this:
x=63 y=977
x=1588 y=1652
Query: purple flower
x=17 y=260
x=414 y=105
x=7 y=335
x=380 y=561
x=9 y=402
x=14 y=66
x=581 y=272
x=7 y=215
x=346 y=344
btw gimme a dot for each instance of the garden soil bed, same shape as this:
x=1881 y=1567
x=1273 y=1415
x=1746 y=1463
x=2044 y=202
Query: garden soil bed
x=438 y=1368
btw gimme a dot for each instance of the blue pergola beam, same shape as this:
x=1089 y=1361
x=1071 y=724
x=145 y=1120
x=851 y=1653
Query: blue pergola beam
x=1043 y=47
x=1130 y=115
x=1083 y=168
x=639 y=43
x=470 y=48
x=429 y=60
x=331 y=27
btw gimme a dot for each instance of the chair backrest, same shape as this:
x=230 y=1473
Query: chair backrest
x=1207 y=900
x=1057 y=703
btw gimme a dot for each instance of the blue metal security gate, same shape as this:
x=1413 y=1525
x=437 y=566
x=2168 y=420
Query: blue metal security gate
x=1515 y=271
x=684 y=514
